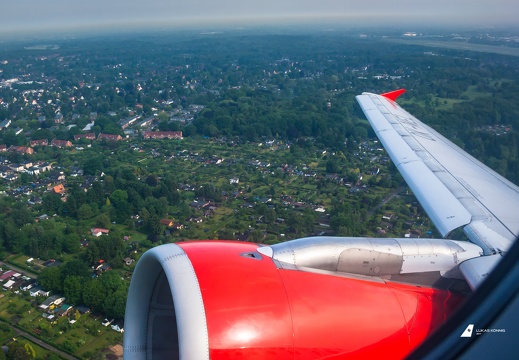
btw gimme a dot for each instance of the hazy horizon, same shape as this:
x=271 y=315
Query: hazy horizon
x=36 y=17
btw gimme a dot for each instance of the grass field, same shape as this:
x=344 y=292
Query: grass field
x=454 y=45
x=85 y=338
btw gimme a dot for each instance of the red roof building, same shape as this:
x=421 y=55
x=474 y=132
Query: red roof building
x=41 y=142
x=109 y=137
x=163 y=134
x=21 y=149
x=61 y=143
x=89 y=136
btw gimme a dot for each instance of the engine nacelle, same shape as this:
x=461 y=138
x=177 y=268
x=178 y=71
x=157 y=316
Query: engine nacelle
x=225 y=300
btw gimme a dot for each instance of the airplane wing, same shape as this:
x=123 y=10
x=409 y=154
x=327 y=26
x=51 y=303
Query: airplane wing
x=453 y=187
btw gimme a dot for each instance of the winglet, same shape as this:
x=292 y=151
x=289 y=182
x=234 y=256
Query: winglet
x=393 y=95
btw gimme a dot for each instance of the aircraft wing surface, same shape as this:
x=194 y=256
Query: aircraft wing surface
x=453 y=187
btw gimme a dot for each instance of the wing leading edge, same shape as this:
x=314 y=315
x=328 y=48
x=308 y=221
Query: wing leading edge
x=453 y=187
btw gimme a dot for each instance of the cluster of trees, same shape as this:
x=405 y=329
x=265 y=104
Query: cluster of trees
x=285 y=86
x=116 y=198
x=105 y=293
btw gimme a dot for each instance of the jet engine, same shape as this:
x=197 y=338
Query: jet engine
x=237 y=300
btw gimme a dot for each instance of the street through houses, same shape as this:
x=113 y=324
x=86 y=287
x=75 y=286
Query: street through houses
x=42 y=343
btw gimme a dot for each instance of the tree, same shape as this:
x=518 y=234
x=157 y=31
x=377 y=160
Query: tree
x=72 y=244
x=103 y=220
x=28 y=347
x=52 y=203
x=94 y=294
x=115 y=304
x=151 y=181
x=111 y=282
x=50 y=278
x=92 y=165
x=75 y=268
x=20 y=351
x=119 y=198
x=85 y=212
x=72 y=289
x=21 y=214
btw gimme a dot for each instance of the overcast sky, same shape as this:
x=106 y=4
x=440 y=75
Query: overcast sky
x=38 y=15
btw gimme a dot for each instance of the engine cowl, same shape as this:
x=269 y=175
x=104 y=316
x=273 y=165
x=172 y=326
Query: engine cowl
x=225 y=300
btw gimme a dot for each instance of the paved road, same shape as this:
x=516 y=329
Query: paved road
x=385 y=200
x=42 y=343
x=18 y=270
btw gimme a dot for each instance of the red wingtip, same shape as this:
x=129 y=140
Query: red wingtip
x=393 y=95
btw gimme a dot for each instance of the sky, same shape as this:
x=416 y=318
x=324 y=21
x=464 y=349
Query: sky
x=35 y=16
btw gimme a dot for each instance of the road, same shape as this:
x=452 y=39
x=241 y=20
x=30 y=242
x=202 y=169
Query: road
x=41 y=343
x=385 y=200
x=27 y=335
x=18 y=270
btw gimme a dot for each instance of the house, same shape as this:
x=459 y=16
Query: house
x=109 y=137
x=88 y=126
x=375 y=171
x=3 y=148
x=52 y=263
x=163 y=135
x=89 y=136
x=33 y=170
x=41 y=142
x=16 y=167
x=28 y=284
x=8 y=274
x=21 y=149
x=45 y=166
x=387 y=216
x=38 y=291
x=33 y=200
x=178 y=227
x=117 y=327
x=58 y=118
x=99 y=231
x=234 y=180
x=167 y=222
x=43 y=217
x=64 y=309
x=54 y=300
x=128 y=261
x=107 y=322
x=8 y=285
x=127 y=122
x=5 y=123
x=61 y=143
x=49 y=317
x=83 y=309
x=59 y=189
x=102 y=266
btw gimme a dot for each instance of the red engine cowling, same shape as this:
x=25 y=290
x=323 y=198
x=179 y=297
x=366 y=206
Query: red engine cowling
x=224 y=300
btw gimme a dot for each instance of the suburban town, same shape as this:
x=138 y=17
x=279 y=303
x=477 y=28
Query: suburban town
x=109 y=148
